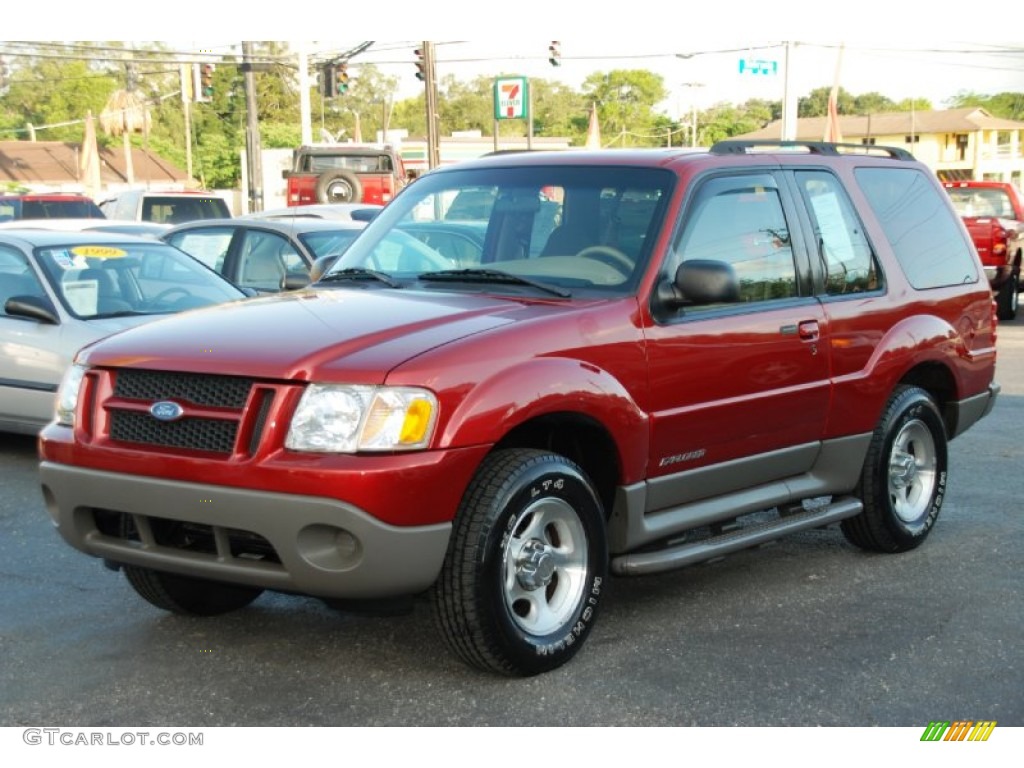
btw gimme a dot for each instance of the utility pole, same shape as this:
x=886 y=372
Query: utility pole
x=305 y=110
x=186 y=105
x=693 y=111
x=430 y=86
x=253 y=150
x=789 y=101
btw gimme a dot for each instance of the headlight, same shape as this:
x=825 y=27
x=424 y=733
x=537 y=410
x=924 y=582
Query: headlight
x=67 y=394
x=338 y=418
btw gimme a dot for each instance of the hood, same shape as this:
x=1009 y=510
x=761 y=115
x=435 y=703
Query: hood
x=310 y=334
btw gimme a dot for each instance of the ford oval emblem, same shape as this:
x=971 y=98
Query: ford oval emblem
x=166 y=410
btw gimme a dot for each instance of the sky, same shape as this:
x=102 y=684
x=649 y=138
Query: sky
x=737 y=70
x=901 y=51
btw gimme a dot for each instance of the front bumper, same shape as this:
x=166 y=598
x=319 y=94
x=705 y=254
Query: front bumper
x=292 y=543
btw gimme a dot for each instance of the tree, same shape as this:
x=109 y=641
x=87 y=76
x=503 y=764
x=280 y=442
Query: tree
x=626 y=101
x=872 y=103
x=725 y=120
x=1006 y=105
x=52 y=95
x=815 y=104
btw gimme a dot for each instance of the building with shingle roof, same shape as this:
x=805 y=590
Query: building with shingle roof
x=56 y=166
x=965 y=143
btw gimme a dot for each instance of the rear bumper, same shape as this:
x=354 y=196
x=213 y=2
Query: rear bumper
x=965 y=413
x=292 y=543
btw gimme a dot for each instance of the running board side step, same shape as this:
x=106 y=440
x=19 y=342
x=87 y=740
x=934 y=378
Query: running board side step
x=673 y=557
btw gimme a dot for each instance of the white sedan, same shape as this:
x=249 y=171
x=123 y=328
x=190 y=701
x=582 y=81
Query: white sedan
x=61 y=290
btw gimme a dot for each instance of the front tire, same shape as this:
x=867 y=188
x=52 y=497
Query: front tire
x=188 y=596
x=526 y=565
x=903 y=481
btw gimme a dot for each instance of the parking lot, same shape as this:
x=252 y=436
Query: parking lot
x=808 y=631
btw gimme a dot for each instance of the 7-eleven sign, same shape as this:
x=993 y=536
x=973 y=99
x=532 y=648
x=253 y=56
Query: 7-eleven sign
x=511 y=98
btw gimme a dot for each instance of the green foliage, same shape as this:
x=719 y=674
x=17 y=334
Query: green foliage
x=1006 y=105
x=724 y=121
x=815 y=104
x=872 y=103
x=54 y=94
x=626 y=101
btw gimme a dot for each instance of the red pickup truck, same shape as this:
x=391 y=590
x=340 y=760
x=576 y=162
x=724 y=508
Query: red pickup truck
x=993 y=212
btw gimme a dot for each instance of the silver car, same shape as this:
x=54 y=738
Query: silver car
x=62 y=290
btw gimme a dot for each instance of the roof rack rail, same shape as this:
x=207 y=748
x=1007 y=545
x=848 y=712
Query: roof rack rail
x=745 y=146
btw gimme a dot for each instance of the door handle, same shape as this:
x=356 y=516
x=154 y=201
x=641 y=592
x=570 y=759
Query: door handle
x=809 y=330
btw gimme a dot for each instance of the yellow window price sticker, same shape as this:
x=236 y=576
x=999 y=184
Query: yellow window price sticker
x=98 y=252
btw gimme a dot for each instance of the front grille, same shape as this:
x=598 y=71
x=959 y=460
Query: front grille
x=210 y=432
x=225 y=543
x=213 y=391
x=216 y=435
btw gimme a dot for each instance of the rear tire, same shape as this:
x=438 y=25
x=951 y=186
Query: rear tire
x=1007 y=298
x=903 y=481
x=526 y=565
x=188 y=596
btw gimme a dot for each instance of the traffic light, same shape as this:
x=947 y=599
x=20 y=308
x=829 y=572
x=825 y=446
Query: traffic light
x=206 y=80
x=328 y=81
x=555 y=54
x=421 y=65
x=341 y=78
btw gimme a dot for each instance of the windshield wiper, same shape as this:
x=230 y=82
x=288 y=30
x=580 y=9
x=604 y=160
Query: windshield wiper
x=358 y=273
x=492 y=276
x=125 y=313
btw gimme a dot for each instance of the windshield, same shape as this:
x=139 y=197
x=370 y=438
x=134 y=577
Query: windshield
x=981 y=201
x=328 y=243
x=573 y=228
x=118 y=278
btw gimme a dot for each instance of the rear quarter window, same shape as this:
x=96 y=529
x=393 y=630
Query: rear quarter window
x=922 y=230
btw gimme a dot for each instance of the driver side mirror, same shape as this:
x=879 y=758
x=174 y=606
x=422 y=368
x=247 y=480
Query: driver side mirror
x=32 y=307
x=700 y=281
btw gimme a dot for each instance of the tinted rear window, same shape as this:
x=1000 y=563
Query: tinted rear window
x=60 y=209
x=177 y=210
x=923 y=232
x=358 y=163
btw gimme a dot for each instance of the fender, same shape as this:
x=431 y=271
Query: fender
x=922 y=340
x=550 y=385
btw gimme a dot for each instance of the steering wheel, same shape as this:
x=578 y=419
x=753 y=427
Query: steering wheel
x=163 y=296
x=606 y=254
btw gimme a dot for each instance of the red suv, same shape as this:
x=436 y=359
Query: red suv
x=344 y=173
x=646 y=359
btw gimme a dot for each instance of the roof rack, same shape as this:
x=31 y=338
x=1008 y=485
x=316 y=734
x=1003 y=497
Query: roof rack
x=744 y=146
